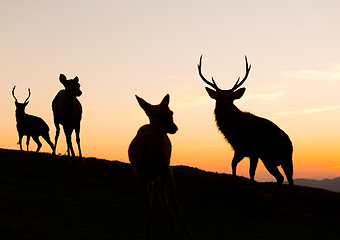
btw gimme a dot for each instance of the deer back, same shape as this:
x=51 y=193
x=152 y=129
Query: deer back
x=33 y=126
x=251 y=134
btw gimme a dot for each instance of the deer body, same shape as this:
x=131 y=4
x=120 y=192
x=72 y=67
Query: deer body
x=30 y=126
x=251 y=136
x=67 y=111
x=149 y=154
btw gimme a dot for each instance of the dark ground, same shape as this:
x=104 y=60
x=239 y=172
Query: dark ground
x=41 y=198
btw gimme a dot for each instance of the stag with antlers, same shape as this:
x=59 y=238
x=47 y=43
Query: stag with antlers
x=67 y=111
x=149 y=154
x=30 y=126
x=251 y=136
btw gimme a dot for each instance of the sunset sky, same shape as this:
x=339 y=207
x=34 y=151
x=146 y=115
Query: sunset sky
x=120 y=49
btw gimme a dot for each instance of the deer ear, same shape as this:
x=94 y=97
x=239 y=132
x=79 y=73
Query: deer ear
x=143 y=104
x=165 y=100
x=76 y=79
x=212 y=93
x=239 y=93
x=62 y=78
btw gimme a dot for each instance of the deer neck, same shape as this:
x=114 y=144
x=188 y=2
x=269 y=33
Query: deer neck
x=228 y=111
x=158 y=141
x=155 y=136
x=68 y=102
x=158 y=150
x=19 y=114
x=69 y=98
x=228 y=119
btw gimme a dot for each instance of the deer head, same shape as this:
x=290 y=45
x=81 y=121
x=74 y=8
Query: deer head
x=227 y=96
x=72 y=86
x=21 y=106
x=160 y=115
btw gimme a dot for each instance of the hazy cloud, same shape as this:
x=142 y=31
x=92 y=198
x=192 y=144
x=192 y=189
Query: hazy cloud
x=264 y=96
x=331 y=167
x=310 y=110
x=189 y=100
x=185 y=94
x=199 y=146
x=331 y=75
x=174 y=77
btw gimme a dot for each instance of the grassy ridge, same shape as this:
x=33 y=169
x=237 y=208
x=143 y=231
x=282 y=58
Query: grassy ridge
x=41 y=198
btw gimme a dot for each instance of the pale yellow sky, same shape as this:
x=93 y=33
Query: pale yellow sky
x=151 y=48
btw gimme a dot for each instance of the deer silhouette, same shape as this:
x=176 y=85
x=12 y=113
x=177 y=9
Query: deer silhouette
x=251 y=136
x=30 y=126
x=67 y=111
x=149 y=154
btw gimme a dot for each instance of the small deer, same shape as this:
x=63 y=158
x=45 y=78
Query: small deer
x=149 y=154
x=67 y=111
x=251 y=136
x=30 y=126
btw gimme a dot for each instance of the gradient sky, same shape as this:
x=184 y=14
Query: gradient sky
x=151 y=48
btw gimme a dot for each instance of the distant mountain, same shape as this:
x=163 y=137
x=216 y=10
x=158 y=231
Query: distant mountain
x=328 y=184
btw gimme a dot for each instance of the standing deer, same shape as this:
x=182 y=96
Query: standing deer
x=30 y=126
x=149 y=154
x=251 y=136
x=67 y=111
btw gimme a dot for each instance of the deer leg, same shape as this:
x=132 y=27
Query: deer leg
x=147 y=200
x=252 y=169
x=169 y=178
x=291 y=186
x=56 y=137
x=68 y=133
x=77 y=130
x=20 y=141
x=28 y=141
x=273 y=170
x=150 y=188
x=37 y=141
x=162 y=193
x=48 y=140
x=236 y=159
x=289 y=175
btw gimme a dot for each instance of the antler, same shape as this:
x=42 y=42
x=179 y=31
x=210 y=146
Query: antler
x=29 y=94
x=13 y=94
x=213 y=84
x=237 y=85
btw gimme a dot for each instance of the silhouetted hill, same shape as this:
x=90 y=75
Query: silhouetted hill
x=328 y=184
x=44 y=198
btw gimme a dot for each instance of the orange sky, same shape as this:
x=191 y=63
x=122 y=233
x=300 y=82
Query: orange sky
x=151 y=48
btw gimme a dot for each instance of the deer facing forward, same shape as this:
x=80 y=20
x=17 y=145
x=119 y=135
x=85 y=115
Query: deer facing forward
x=67 y=111
x=30 y=126
x=251 y=136
x=149 y=154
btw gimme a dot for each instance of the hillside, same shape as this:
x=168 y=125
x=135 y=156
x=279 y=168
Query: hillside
x=42 y=198
x=329 y=184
